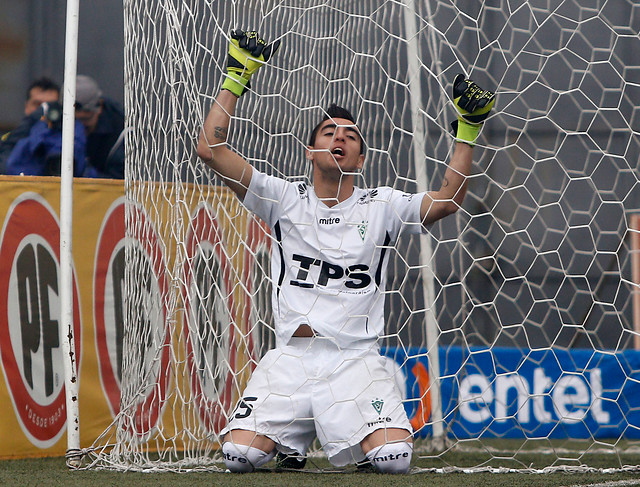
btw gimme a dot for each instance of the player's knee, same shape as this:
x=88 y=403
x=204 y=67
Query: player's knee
x=391 y=457
x=243 y=459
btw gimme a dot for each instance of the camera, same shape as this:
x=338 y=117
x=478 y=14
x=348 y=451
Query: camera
x=52 y=114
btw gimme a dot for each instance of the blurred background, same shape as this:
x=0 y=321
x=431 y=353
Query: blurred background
x=32 y=38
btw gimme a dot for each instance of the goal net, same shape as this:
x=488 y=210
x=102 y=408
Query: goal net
x=512 y=327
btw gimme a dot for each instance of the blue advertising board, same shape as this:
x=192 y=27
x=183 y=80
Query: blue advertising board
x=516 y=393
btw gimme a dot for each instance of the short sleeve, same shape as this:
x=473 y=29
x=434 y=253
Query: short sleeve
x=265 y=196
x=404 y=212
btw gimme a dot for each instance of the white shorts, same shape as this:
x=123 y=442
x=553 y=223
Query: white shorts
x=312 y=388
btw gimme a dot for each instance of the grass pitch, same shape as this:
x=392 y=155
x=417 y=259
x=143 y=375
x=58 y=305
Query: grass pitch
x=54 y=472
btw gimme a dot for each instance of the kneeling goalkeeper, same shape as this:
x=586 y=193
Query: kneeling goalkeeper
x=326 y=377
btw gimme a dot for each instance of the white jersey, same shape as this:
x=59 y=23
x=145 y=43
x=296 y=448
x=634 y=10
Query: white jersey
x=328 y=265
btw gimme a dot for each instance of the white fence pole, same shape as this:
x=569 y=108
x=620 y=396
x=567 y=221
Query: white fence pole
x=66 y=234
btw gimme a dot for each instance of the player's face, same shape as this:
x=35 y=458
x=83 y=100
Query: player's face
x=38 y=96
x=337 y=146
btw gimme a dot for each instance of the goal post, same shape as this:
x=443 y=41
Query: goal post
x=422 y=184
x=509 y=327
x=67 y=338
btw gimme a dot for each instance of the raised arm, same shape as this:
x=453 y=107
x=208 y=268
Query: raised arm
x=247 y=53
x=473 y=105
x=212 y=145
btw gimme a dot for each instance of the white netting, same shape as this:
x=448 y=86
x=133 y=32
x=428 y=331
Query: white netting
x=524 y=297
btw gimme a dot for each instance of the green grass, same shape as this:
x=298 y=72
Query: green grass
x=53 y=472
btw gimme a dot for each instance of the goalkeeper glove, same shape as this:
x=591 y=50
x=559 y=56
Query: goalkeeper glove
x=247 y=53
x=473 y=105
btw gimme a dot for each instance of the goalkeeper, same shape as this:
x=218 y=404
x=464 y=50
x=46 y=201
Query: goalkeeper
x=325 y=377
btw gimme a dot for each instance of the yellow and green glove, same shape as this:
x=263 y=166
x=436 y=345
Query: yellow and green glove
x=247 y=53
x=473 y=105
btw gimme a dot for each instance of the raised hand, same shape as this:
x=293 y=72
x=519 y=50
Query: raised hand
x=247 y=53
x=473 y=105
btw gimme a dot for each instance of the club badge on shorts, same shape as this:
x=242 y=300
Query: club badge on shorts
x=377 y=405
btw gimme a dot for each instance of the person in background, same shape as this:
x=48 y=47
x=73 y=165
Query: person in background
x=99 y=144
x=42 y=90
x=40 y=152
x=103 y=121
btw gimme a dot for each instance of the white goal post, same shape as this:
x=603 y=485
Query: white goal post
x=67 y=338
x=510 y=326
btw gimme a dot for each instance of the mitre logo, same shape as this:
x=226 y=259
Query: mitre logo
x=328 y=221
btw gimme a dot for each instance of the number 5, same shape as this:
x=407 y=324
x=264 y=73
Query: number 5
x=244 y=405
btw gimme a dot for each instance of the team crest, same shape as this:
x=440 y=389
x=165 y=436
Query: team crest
x=377 y=405
x=362 y=229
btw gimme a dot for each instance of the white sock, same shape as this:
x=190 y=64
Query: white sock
x=391 y=457
x=243 y=459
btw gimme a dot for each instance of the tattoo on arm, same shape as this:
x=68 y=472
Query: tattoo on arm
x=445 y=182
x=220 y=133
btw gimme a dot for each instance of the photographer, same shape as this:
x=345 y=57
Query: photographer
x=39 y=91
x=39 y=153
x=34 y=147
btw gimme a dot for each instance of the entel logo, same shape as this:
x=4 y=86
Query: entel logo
x=572 y=397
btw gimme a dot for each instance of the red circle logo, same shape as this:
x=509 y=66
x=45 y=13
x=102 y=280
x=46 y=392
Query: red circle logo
x=30 y=318
x=143 y=348
x=209 y=322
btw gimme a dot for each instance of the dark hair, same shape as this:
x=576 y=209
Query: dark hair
x=45 y=84
x=334 y=111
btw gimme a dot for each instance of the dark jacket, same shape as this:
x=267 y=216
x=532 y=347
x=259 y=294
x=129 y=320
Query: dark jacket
x=10 y=139
x=105 y=145
x=39 y=153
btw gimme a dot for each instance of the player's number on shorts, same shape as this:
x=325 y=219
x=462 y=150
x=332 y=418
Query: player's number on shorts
x=244 y=408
